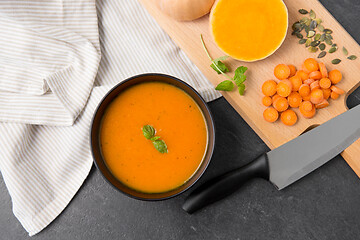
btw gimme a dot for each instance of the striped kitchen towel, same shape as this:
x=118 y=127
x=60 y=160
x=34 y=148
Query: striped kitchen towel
x=51 y=80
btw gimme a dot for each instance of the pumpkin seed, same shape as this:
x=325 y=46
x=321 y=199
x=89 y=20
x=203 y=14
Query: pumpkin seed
x=302 y=41
x=332 y=49
x=318 y=21
x=328 y=36
x=352 y=57
x=336 y=61
x=313 y=40
x=310 y=34
x=317 y=37
x=296 y=26
x=345 y=51
x=294 y=33
x=312 y=14
x=313 y=49
x=322 y=54
x=328 y=31
x=299 y=35
x=315 y=43
x=322 y=47
x=303 y=20
x=303 y=11
x=306 y=21
x=322 y=38
x=313 y=25
x=328 y=42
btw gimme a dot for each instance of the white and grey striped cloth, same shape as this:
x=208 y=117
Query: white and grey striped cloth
x=51 y=80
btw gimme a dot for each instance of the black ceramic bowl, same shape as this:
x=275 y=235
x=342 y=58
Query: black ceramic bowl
x=96 y=126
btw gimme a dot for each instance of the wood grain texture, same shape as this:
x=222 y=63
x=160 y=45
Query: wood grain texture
x=187 y=36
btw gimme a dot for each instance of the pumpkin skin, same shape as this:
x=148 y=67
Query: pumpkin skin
x=185 y=10
x=249 y=30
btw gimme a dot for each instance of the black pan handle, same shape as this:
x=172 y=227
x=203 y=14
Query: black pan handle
x=222 y=186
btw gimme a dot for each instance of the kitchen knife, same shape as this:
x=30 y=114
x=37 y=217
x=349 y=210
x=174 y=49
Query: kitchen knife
x=287 y=163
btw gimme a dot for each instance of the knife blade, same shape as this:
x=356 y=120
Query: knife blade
x=287 y=163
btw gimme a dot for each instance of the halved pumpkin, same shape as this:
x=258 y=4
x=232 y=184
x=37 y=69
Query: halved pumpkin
x=249 y=30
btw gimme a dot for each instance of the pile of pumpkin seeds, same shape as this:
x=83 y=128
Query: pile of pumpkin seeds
x=316 y=36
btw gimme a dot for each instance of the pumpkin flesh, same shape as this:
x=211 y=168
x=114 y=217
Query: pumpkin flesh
x=249 y=30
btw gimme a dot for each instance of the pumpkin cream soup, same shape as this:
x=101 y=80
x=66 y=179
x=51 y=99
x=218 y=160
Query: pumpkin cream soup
x=178 y=121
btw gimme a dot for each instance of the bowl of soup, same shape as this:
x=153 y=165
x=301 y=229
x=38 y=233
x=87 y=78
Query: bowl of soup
x=152 y=136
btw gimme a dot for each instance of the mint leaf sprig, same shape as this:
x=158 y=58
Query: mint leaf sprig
x=149 y=133
x=218 y=64
x=227 y=85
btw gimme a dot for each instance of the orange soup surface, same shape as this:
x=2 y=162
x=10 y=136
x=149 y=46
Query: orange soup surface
x=177 y=119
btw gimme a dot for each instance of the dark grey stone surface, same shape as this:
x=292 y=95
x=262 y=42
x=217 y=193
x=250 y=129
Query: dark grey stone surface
x=323 y=205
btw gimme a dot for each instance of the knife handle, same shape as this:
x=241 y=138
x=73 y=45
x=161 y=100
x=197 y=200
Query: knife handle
x=223 y=185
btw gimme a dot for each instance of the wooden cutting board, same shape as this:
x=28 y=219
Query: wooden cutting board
x=187 y=36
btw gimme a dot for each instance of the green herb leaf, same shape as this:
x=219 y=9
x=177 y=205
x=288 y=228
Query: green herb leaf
x=241 y=88
x=226 y=85
x=154 y=138
x=220 y=65
x=240 y=70
x=160 y=145
x=207 y=53
x=239 y=80
x=352 y=57
x=148 y=131
x=221 y=58
x=239 y=76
